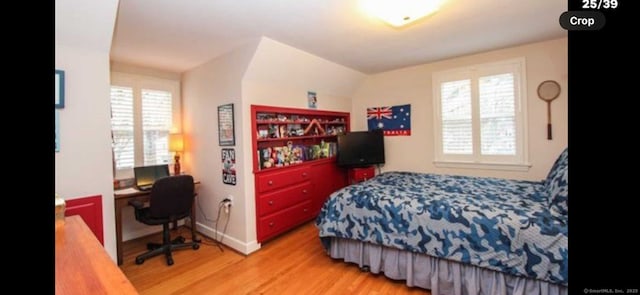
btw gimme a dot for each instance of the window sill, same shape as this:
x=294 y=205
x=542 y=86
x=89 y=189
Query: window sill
x=485 y=166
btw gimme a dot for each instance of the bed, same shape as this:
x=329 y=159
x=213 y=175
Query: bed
x=455 y=234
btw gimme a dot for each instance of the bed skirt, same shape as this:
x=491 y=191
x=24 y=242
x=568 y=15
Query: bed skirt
x=441 y=276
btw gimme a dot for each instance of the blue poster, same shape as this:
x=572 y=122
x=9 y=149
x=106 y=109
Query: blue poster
x=394 y=121
x=312 y=100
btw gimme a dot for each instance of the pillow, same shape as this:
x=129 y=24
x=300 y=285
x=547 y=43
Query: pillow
x=557 y=184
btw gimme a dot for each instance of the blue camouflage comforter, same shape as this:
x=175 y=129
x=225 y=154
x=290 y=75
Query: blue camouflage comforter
x=499 y=224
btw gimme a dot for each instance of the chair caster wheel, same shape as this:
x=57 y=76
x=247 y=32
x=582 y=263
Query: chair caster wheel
x=139 y=261
x=170 y=261
x=196 y=246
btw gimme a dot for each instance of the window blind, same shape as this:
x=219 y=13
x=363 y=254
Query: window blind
x=497 y=115
x=156 y=124
x=456 y=117
x=122 y=126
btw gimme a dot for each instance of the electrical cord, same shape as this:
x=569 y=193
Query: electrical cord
x=202 y=212
x=215 y=232
x=224 y=231
x=205 y=240
x=215 y=222
x=209 y=241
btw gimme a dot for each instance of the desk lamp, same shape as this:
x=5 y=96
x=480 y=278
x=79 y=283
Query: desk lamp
x=176 y=145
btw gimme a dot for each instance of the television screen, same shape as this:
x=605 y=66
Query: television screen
x=360 y=149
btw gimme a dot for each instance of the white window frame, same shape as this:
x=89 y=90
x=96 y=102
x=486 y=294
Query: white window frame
x=137 y=83
x=518 y=162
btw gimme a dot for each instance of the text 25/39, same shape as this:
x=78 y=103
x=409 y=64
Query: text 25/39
x=600 y=4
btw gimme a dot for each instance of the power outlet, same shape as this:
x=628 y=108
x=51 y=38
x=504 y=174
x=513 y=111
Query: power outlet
x=229 y=199
x=228 y=202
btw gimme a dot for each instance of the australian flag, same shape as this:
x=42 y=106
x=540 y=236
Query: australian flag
x=394 y=121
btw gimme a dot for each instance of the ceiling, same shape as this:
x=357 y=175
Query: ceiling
x=179 y=35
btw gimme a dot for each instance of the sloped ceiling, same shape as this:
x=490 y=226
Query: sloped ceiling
x=85 y=24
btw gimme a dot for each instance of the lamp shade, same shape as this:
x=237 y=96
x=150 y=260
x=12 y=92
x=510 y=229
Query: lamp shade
x=176 y=143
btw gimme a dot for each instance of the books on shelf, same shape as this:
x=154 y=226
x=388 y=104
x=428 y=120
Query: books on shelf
x=287 y=136
x=266 y=131
x=281 y=156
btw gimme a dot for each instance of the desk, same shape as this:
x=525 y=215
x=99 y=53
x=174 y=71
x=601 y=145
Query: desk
x=122 y=198
x=82 y=264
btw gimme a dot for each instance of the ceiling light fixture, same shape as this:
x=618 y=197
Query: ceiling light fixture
x=399 y=13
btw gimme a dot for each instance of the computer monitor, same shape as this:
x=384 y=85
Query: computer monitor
x=145 y=176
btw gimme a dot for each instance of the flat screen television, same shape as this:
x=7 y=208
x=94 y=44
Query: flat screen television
x=360 y=149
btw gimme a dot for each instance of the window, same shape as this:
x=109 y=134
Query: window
x=143 y=112
x=122 y=126
x=480 y=116
x=156 y=124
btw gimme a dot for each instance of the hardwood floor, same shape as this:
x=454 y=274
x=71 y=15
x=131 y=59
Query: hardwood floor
x=294 y=263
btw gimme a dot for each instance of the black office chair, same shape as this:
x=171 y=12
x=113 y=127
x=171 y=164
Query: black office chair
x=171 y=199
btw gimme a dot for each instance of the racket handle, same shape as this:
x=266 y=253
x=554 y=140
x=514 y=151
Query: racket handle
x=549 y=131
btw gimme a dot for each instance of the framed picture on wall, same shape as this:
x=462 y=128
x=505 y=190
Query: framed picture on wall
x=226 y=133
x=59 y=92
x=312 y=99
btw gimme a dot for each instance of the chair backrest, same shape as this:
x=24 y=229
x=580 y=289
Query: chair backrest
x=171 y=196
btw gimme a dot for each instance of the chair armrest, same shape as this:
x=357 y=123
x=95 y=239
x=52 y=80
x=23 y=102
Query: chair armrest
x=136 y=204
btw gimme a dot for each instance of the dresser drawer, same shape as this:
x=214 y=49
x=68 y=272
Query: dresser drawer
x=274 y=224
x=282 y=178
x=280 y=199
x=361 y=174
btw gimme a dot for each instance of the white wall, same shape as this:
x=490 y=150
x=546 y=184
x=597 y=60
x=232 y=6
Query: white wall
x=544 y=61
x=204 y=88
x=83 y=165
x=281 y=75
x=264 y=72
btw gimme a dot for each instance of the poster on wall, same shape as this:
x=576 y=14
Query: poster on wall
x=229 y=166
x=312 y=100
x=393 y=120
x=226 y=131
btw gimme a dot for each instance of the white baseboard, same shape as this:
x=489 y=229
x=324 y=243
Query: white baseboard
x=242 y=247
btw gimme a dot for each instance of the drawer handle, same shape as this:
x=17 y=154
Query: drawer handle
x=304 y=191
x=365 y=174
x=305 y=210
x=271 y=203
x=270 y=182
x=304 y=174
x=271 y=224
